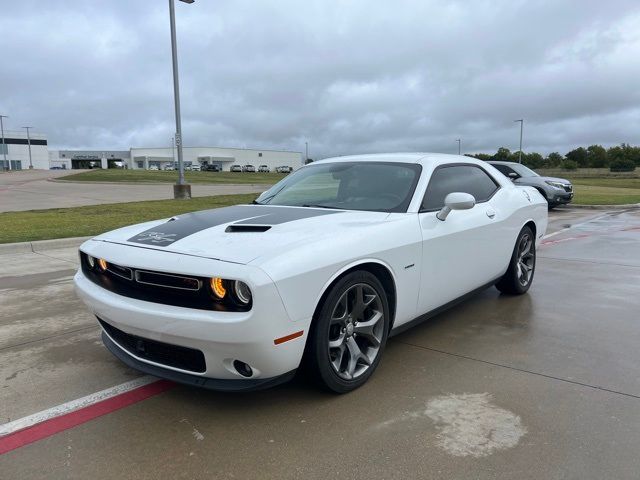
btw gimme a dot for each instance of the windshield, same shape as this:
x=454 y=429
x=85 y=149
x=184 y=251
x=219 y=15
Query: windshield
x=523 y=171
x=372 y=186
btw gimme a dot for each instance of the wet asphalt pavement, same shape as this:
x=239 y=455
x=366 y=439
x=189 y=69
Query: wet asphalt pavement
x=545 y=385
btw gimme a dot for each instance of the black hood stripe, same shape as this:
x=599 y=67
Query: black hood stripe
x=184 y=225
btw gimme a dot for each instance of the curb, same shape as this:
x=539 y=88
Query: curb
x=627 y=206
x=58 y=180
x=41 y=245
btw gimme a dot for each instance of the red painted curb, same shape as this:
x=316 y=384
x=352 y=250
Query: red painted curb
x=77 y=417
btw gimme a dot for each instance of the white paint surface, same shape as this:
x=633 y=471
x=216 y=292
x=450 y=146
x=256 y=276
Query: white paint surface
x=470 y=425
x=65 y=408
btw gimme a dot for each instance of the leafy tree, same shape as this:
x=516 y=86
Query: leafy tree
x=553 y=160
x=479 y=156
x=570 y=164
x=578 y=155
x=597 y=156
x=624 y=152
x=622 y=165
x=533 y=160
x=502 y=155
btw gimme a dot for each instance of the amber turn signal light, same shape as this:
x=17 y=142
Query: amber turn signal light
x=217 y=287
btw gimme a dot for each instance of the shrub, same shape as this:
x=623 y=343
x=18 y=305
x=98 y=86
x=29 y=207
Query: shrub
x=622 y=165
x=570 y=165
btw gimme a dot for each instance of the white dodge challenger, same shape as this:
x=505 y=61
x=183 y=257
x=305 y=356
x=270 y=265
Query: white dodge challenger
x=318 y=272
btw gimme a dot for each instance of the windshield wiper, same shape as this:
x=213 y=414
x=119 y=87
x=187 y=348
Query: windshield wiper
x=313 y=205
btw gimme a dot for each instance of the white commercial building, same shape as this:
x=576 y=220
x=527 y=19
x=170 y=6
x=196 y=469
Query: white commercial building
x=143 y=158
x=14 y=155
x=14 y=151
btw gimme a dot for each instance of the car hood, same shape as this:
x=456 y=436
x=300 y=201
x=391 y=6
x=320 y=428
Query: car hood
x=555 y=179
x=243 y=233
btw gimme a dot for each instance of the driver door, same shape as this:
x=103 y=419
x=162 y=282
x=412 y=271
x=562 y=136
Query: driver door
x=460 y=254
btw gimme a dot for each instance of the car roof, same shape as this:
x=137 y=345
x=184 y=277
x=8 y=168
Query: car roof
x=401 y=157
x=501 y=162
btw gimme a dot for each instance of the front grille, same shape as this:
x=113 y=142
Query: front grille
x=174 y=356
x=160 y=287
x=168 y=280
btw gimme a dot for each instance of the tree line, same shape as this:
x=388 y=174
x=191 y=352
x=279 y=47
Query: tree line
x=621 y=158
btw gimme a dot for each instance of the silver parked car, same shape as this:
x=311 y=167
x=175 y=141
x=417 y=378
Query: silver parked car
x=557 y=191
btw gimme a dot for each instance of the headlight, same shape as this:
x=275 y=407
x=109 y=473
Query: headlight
x=242 y=291
x=234 y=294
x=91 y=261
x=555 y=184
x=102 y=263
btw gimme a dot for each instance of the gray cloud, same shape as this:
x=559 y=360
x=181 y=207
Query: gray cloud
x=349 y=77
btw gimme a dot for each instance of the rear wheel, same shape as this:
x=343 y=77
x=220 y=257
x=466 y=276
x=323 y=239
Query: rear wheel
x=519 y=275
x=349 y=332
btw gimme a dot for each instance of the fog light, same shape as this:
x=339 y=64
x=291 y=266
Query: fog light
x=242 y=291
x=102 y=263
x=242 y=368
x=217 y=287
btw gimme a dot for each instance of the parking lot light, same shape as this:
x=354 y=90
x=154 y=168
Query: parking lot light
x=521 y=127
x=181 y=189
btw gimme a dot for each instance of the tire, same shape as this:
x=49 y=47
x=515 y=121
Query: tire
x=349 y=318
x=522 y=266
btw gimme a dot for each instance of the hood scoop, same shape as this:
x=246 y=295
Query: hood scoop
x=247 y=228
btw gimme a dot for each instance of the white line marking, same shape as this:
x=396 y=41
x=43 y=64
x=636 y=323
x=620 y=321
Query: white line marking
x=549 y=235
x=67 y=407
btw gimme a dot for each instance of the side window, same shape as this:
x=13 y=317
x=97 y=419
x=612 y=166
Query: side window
x=457 y=178
x=501 y=168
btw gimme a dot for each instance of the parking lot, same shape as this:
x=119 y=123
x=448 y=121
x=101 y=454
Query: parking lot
x=546 y=385
x=31 y=190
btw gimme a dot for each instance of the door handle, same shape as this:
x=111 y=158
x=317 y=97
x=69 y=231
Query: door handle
x=491 y=213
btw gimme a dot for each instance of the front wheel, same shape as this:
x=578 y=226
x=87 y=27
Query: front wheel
x=349 y=332
x=522 y=266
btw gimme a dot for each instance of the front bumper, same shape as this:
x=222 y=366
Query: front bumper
x=560 y=197
x=222 y=337
x=221 y=385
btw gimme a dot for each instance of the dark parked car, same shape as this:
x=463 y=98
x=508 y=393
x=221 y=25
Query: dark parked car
x=212 y=168
x=236 y=168
x=249 y=168
x=263 y=169
x=557 y=191
x=284 y=169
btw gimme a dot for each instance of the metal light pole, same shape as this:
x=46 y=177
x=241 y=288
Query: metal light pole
x=521 y=127
x=4 y=147
x=458 y=140
x=180 y=189
x=29 y=142
x=306 y=152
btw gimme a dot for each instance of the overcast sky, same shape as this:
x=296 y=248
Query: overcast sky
x=348 y=76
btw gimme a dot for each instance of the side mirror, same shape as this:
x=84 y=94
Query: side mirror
x=513 y=175
x=456 y=201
